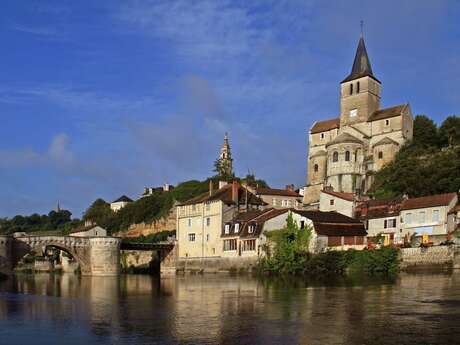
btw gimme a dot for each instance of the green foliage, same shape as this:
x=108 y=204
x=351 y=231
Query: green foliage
x=290 y=249
x=426 y=166
x=153 y=238
x=55 y=222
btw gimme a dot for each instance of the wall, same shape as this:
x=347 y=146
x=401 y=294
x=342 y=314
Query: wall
x=427 y=257
x=216 y=265
x=438 y=227
x=96 y=231
x=144 y=229
x=342 y=206
x=138 y=259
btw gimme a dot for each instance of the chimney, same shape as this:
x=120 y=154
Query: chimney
x=235 y=192
x=290 y=187
x=222 y=184
x=210 y=188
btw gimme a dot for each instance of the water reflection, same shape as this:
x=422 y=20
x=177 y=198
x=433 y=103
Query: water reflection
x=137 y=309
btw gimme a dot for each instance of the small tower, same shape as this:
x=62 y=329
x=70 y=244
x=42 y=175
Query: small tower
x=360 y=90
x=58 y=208
x=224 y=165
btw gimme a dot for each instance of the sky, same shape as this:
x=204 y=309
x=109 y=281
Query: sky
x=103 y=98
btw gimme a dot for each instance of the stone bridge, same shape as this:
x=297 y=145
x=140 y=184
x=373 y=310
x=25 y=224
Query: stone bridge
x=97 y=256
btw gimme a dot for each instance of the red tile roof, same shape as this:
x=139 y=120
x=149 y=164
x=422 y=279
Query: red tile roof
x=273 y=191
x=387 y=112
x=428 y=201
x=341 y=195
x=327 y=125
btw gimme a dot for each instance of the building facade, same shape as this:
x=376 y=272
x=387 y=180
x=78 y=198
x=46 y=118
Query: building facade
x=344 y=151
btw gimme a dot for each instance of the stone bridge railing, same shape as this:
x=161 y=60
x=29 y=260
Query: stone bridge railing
x=98 y=256
x=430 y=257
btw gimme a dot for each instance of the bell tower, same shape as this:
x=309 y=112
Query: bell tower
x=360 y=90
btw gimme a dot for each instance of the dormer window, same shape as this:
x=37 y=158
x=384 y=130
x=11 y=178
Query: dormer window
x=237 y=228
x=351 y=89
x=353 y=112
x=251 y=228
x=227 y=229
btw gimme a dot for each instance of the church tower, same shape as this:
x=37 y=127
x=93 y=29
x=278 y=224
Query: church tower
x=360 y=90
x=224 y=165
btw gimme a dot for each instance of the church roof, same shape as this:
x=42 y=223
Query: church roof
x=123 y=198
x=387 y=112
x=384 y=141
x=344 y=138
x=361 y=65
x=326 y=125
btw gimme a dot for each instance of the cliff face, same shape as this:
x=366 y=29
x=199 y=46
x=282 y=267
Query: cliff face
x=167 y=223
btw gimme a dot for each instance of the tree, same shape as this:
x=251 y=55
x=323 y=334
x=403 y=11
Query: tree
x=425 y=132
x=449 y=131
x=100 y=213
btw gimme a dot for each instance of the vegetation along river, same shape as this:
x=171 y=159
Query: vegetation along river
x=214 y=309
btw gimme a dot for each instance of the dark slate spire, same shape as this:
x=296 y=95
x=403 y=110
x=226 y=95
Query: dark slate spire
x=361 y=65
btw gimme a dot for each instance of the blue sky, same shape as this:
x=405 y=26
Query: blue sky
x=101 y=98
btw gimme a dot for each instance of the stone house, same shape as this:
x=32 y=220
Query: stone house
x=429 y=215
x=344 y=151
x=280 y=198
x=200 y=220
x=340 y=202
x=89 y=229
x=121 y=202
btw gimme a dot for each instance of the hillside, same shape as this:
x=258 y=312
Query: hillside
x=430 y=164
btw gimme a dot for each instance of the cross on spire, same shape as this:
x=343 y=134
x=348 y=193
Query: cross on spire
x=362 y=27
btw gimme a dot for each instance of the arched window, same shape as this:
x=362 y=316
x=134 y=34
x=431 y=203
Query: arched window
x=347 y=156
x=335 y=156
x=357 y=87
x=315 y=167
x=380 y=154
x=351 y=89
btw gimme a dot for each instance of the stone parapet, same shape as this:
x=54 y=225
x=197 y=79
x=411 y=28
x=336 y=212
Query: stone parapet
x=429 y=257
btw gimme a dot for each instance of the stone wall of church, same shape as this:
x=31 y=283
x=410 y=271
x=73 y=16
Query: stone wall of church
x=384 y=154
x=315 y=177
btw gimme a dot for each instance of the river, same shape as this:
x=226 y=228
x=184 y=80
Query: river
x=214 y=309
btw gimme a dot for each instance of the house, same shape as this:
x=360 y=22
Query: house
x=343 y=152
x=245 y=235
x=381 y=217
x=280 y=198
x=200 y=220
x=337 y=201
x=121 y=202
x=88 y=229
x=428 y=216
x=332 y=230
x=151 y=190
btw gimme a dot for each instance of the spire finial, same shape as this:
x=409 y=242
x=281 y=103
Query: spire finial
x=362 y=27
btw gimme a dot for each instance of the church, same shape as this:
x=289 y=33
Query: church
x=344 y=152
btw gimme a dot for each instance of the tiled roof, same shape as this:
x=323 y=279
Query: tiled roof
x=326 y=217
x=341 y=195
x=123 y=198
x=224 y=194
x=370 y=209
x=455 y=209
x=273 y=191
x=387 y=113
x=83 y=228
x=428 y=201
x=344 y=138
x=326 y=125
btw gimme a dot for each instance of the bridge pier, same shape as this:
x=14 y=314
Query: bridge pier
x=168 y=257
x=104 y=256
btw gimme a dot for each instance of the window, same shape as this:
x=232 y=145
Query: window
x=435 y=216
x=347 y=156
x=207 y=237
x=357 y=87
x=249 y=245
x=191 y=237
x=251 y=228
x=229 y=245
x=351 y=89
x=302 y=224
x=335 y=156
x=387 y=122
x=408 y=218
x=274 y=202
x=227 y=229
x=421 y=217
x=237 y=228
x=353 y=112
x=208 y=221
x=288 y=203
x=389 y=223
x=189 y=221
x=322 y=135
x=380 y=154
x=331 y=202
x=315 y=167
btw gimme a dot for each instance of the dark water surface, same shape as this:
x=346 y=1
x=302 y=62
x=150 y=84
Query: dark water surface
x=66 y=309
